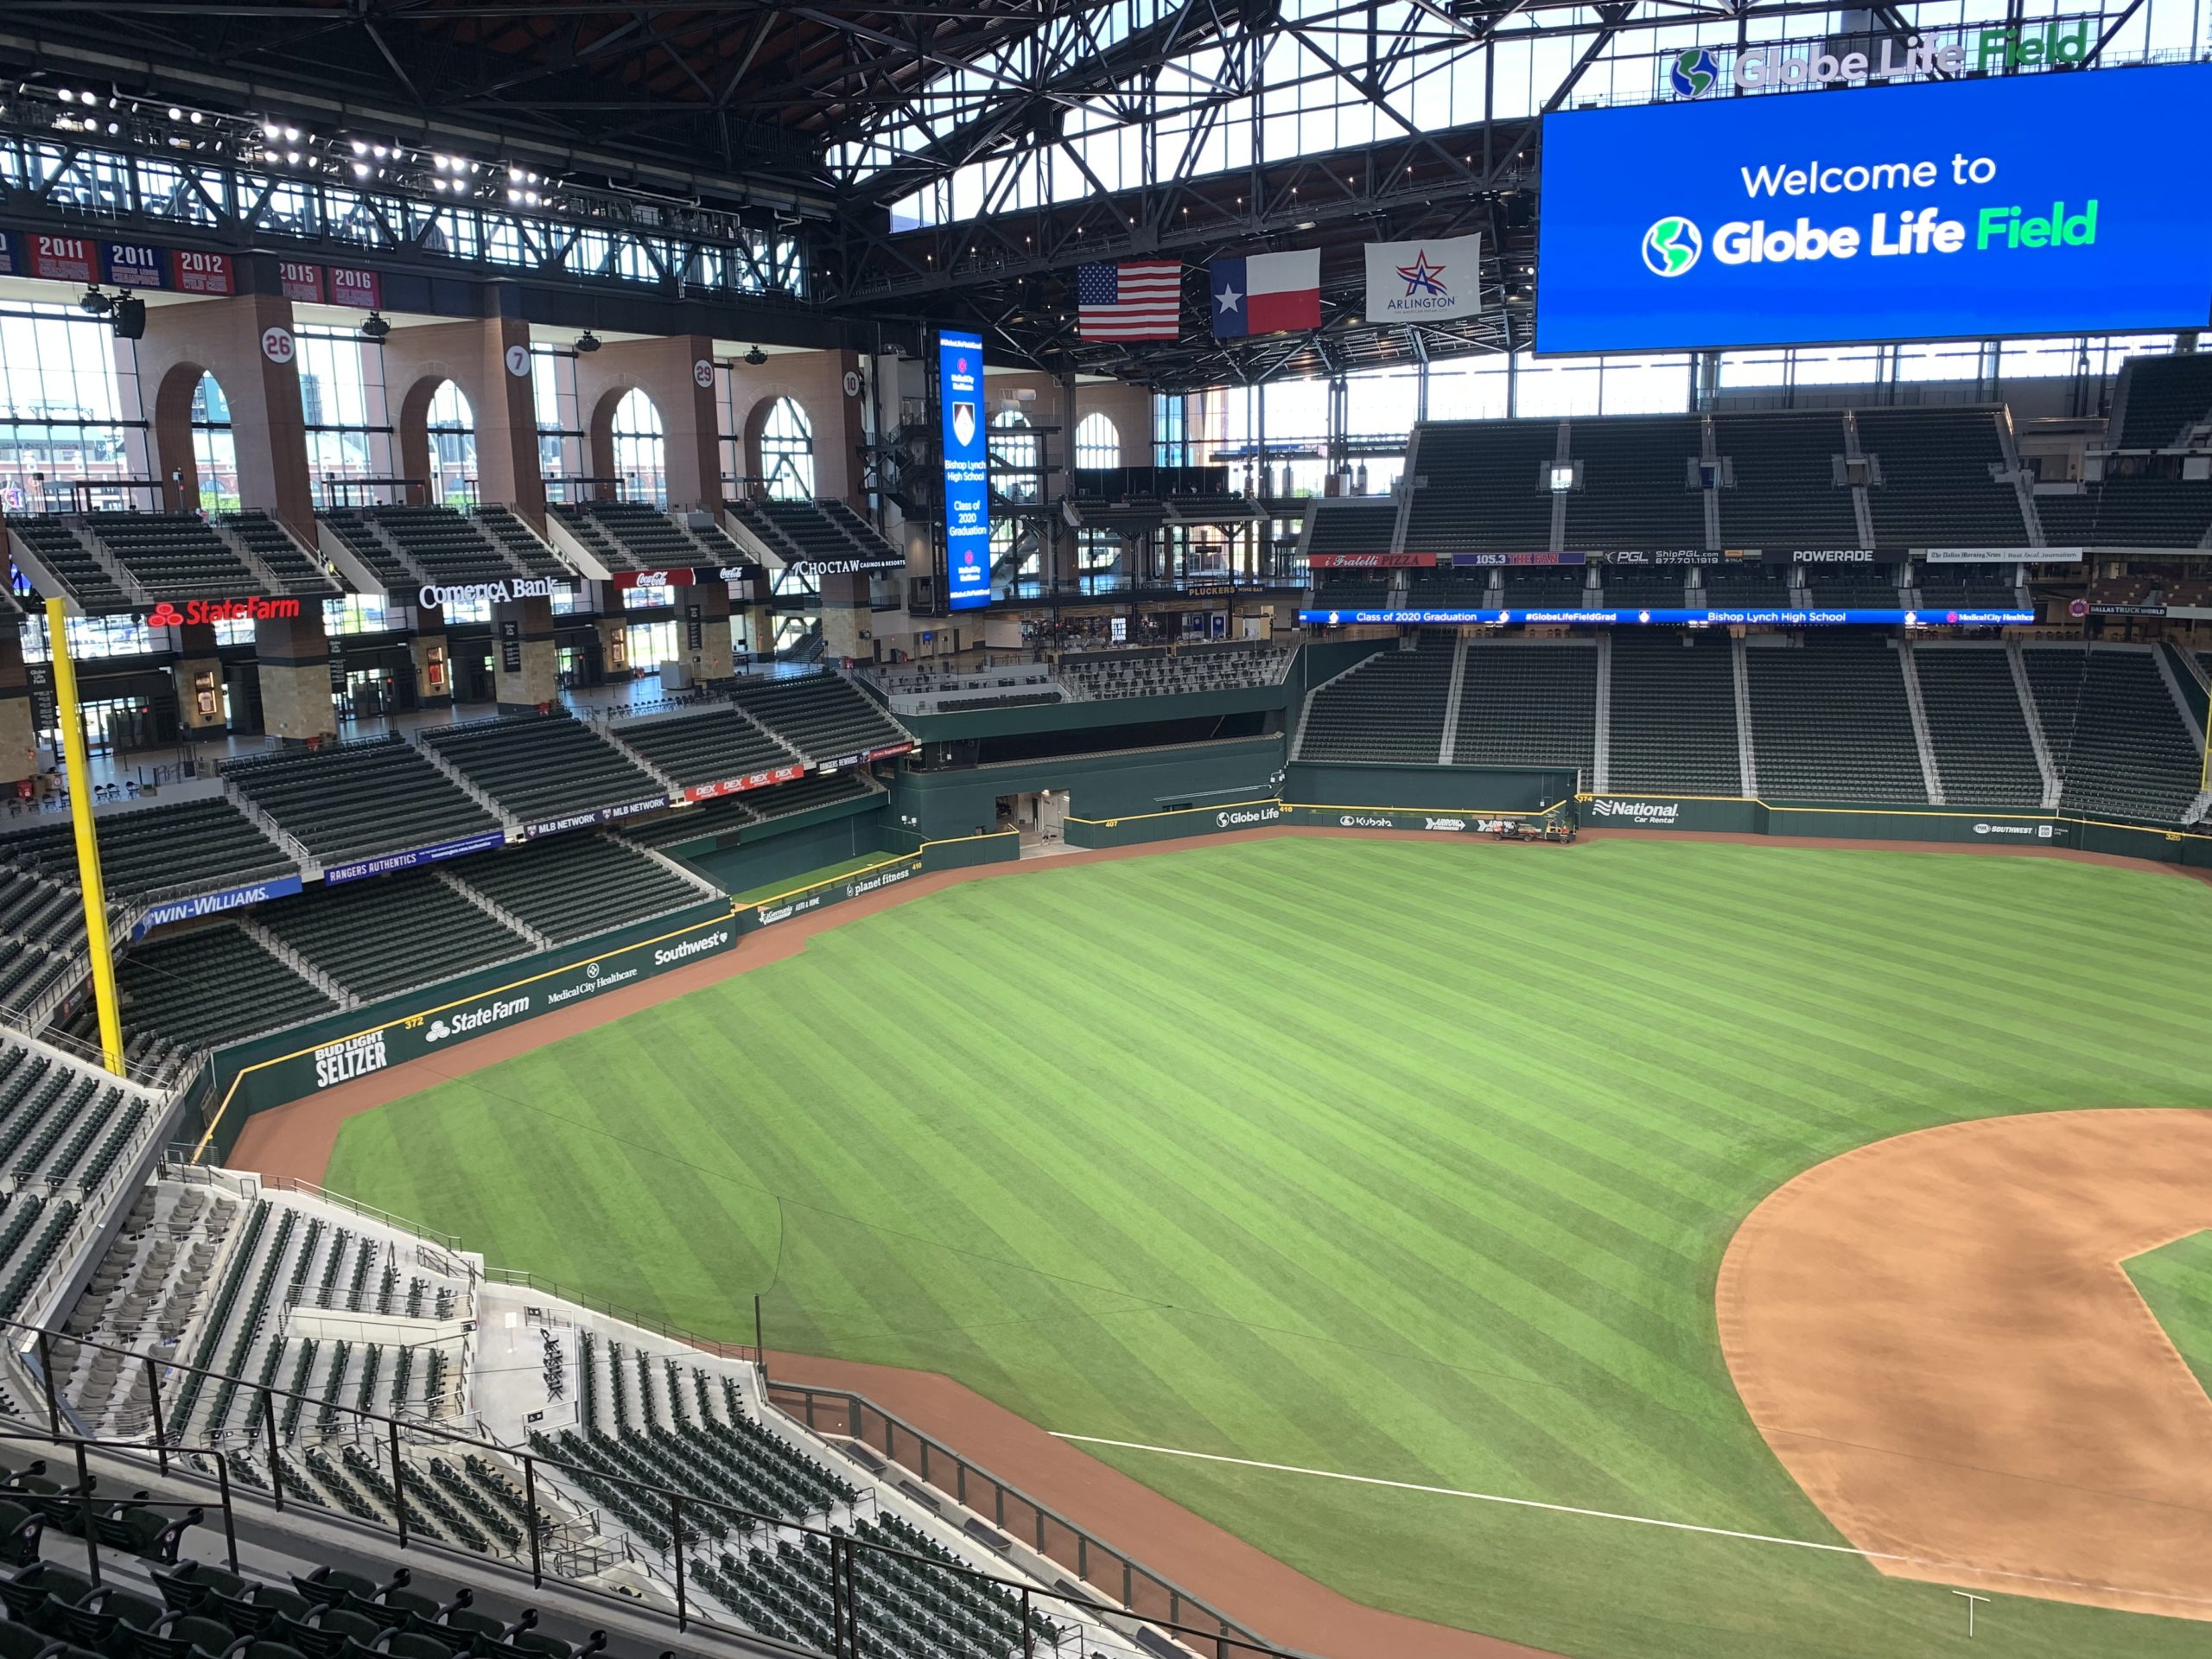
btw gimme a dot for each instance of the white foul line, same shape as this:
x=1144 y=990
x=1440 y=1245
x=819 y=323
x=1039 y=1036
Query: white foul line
x=1635 y=1520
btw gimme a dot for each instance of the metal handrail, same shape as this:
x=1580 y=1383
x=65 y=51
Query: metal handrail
x=31 y=1348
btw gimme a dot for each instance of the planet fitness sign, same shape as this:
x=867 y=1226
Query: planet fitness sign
x=1953 y=210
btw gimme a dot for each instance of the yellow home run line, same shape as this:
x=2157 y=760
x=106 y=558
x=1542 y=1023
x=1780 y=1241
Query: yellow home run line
x=1634 y=1520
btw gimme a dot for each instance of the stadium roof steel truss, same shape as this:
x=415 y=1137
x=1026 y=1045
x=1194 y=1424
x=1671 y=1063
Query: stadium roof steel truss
x=951 y=155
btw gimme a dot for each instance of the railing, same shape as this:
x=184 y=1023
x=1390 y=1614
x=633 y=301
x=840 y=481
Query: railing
x=1144 y=1593
x=449 y=1242
x=693 y=1523
x=517 y=1279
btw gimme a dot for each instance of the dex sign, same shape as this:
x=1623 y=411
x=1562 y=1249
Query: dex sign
x=1939 y=211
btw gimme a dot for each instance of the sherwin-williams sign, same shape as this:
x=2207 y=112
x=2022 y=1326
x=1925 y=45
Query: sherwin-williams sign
x=213 y=904
x=1961 y=209
x=967 y=470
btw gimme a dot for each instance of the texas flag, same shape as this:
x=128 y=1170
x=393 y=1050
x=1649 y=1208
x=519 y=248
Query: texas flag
x=1267 y=294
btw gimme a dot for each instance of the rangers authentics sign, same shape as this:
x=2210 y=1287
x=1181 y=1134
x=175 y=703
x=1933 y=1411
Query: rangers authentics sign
x=409 y=858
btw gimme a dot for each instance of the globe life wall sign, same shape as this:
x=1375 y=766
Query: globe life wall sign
x=1927 y=211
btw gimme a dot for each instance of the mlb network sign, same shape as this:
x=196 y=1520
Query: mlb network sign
x=1928 y=212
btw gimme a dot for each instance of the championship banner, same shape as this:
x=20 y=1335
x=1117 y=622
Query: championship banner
x=1424 y=282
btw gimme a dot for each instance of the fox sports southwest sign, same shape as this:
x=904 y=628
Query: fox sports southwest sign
x=1932 y=209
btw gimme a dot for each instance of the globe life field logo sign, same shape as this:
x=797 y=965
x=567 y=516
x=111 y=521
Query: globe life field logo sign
x=1942 y=210
x=1671 y=246
x=1950 y=53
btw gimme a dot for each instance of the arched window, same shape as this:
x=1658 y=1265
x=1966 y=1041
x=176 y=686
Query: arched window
x=787 y=451
x=213 y=453
x=1097 y=443
x=1016 y=457
x=453 y=447
x=640 y=451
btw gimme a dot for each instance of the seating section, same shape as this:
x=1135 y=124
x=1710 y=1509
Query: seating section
x=641 y=538
x=268 y=541
x=1358 y=590
x=1158 y=674
x=1937 y=488
x=1783 y=492
x=816 y=532
x=212 y=986
x=1965 y=586
x=446 y=545
x=1637 y=489
x=56 y=546
x=1671 y=728
x=174 y=846
x=571 y=886
x=1830 y=722
x=2160 y=398
x=517 y=542
x=698 y=749
x=1546 y=586
x=2130 y=509
x=360 y=798
x=174 y=555
x=823 y=716
x=353 y=528
x=2115 y=734
x=1353 y=524
x=541 y=766
x=62 y=1130
x=1868 y=586
x=759 y=806
x=1644 y=584
x=1481 y=484
x=383 y=936
x=1529 y=705
x=1976 y=726
x=1389 y=708
x=1745 y=585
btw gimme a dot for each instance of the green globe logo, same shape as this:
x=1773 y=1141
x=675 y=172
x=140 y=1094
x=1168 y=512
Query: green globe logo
x=1694 y=73
x=1671 y=246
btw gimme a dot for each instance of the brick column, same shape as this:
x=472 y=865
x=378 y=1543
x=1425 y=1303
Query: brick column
x=292 y=655
x=524 y=660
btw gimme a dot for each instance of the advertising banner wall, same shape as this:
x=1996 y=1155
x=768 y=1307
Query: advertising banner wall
x=213 y=904
x=596 y=814
x=436 y=853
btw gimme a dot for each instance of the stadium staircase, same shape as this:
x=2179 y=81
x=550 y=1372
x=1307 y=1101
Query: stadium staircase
x=1930 y=779
x=357 y=800
x=1529 y=702
x=1671 y=718
x=1805 y=750
x=1390 y=706
x=1978 y=726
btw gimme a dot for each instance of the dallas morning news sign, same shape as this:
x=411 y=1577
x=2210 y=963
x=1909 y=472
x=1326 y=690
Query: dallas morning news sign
x=1715 y=616
x=1933 y=211
x=967 y=470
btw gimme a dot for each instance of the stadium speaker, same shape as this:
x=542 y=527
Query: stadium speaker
x=128 y=318
x=374 y=325
x=587 y=341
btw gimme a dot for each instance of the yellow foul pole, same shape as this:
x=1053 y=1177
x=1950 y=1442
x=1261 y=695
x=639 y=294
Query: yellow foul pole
x=88 y=846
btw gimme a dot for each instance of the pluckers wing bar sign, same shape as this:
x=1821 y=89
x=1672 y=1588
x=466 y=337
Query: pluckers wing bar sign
x=190 y=613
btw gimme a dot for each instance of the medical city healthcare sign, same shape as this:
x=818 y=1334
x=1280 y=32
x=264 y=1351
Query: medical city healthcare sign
x=967 y=470
x=2017 y=206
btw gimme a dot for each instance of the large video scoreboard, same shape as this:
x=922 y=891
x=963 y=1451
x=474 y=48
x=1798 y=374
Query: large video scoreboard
x=2059 y=203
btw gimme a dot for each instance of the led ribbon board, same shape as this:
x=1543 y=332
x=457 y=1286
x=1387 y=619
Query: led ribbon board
x=967 y=470
x=2026 y=204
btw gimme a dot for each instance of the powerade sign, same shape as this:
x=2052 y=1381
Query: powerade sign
x=967 y=470
x=213 y=904
x=1663 y=616
x=436 y=852
x=1934 y=211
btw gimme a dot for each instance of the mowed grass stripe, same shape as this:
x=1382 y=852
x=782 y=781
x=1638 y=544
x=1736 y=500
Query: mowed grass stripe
x=1413 y=1159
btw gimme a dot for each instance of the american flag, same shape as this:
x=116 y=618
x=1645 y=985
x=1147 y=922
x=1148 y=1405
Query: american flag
x=1140 y=299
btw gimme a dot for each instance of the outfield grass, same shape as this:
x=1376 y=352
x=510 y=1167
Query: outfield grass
x=2177 y=1281
x=1410 y=1161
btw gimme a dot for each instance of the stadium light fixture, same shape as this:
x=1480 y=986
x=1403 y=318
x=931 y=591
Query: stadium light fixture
x=587 y=341
x=374 y=327
x=755 y=357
